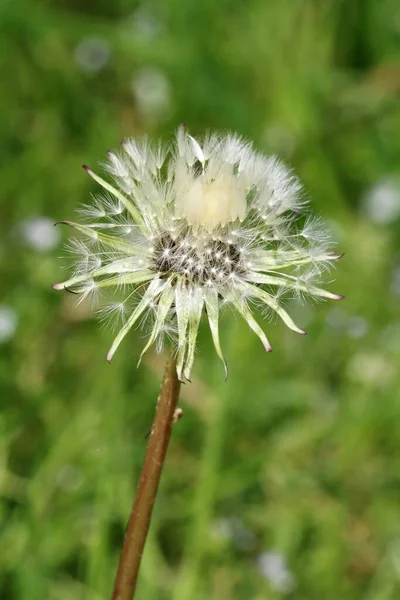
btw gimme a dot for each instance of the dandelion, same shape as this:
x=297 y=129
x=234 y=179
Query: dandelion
x=187 y=230
x=183 y=232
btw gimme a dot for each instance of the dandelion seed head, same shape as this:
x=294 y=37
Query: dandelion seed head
x=185 y=231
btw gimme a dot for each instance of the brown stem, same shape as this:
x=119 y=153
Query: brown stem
x=139 y=521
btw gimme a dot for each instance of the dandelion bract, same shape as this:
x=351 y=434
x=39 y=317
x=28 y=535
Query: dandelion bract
x=186 y=230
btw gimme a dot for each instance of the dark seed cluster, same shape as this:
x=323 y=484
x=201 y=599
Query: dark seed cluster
x=213 y=261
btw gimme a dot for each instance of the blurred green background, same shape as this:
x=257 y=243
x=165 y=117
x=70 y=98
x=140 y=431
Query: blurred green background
x=284 y=481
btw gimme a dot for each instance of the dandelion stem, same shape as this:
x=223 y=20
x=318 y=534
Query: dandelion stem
x=139 y=521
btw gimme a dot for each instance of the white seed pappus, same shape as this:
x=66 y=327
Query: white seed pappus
x=185 y=230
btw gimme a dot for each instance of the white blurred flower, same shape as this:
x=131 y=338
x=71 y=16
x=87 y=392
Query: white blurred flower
x=189 y=229
x=40 y=233
x=92 y=54
x=372 y=368
x=152 y=92
x=272 y=566
x=8 y=322
x=338 y=319
x=232 y=528
x=381 y=203
x=147 y=25
x=357 y=326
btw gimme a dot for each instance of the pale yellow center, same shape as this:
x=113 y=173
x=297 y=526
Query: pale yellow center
x=210 y=203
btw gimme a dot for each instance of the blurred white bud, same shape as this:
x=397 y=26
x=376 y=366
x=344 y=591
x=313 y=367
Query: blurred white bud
x=146 y=25
x=92 y=54
x=272 y=566
x=152 y=92
x=372 y=368
x=8 y=322
x=40 y=233
x=232 y=528
x=381 y=203
x=357 y=327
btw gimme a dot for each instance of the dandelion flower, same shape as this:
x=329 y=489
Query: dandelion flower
x=189 y=229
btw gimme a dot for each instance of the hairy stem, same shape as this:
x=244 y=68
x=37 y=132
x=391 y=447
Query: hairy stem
x=139 y=521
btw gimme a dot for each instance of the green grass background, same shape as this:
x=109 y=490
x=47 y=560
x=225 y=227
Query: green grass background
x=299 y=452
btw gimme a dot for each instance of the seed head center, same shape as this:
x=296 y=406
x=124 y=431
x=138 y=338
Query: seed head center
x=213 y=260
